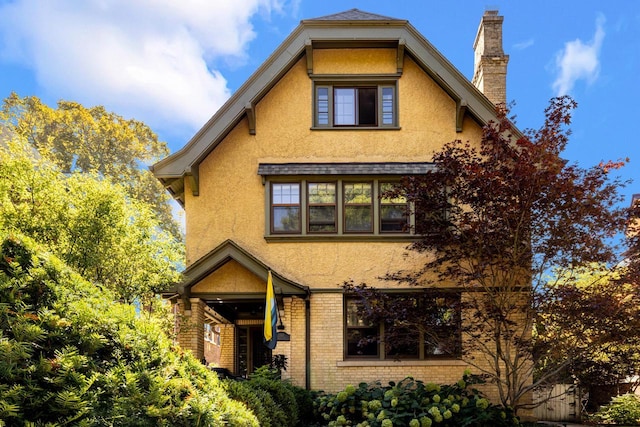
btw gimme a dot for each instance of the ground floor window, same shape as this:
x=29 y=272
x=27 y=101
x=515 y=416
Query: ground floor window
x=423 y=326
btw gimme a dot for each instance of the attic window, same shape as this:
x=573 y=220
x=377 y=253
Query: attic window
x=342 y=105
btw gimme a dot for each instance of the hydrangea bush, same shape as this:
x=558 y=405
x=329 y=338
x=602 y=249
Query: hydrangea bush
x=412 y=403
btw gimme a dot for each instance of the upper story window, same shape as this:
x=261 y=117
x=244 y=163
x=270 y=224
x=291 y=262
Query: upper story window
x=347 y=201
x=344 y=206
x=285 y=207
x=322 y=207
x=342 y=105
x=358 y=207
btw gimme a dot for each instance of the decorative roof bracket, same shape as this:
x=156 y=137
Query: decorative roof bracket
x=251 y=117
x=192 y=173
x=400 y=56
x=461 y=109
x=308 y=47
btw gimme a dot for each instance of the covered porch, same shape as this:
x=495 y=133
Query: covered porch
x=226 y=290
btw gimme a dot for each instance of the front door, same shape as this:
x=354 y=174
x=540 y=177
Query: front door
x=252 y=353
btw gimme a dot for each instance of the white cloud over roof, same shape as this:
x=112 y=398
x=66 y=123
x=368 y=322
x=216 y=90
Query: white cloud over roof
x=149 y=59
x=579 y=61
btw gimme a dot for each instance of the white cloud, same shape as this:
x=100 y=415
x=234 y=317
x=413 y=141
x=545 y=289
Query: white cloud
x=524 y=44
x=149 y=59
x=579 y=61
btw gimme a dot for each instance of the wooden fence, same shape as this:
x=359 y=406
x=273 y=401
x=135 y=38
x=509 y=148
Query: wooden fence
x=561 y=402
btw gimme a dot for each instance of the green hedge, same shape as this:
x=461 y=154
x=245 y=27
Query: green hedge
x=71 y=355
x=275 y=402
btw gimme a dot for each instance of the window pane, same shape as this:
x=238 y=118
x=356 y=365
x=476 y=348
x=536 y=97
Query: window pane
x=322 y=207
x=285 y=212
x=286 y=194
x=357 y=193
x=324 y=193
x=322 y=218
x=357 y=218
x=406 y=343
x=393 y=210
x=353 y=318
x=358 y=209
x=344 y=106
x=442 y=337
x=286 y=218
x=362 y=337
x=367 y=106
x=362 y=342
x=323 y=105
x=393 y=218
x=389 y=186
x=387 y=106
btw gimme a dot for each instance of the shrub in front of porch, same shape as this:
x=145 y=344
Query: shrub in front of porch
x=275 y=402
x=412 y=403
x=71 y=355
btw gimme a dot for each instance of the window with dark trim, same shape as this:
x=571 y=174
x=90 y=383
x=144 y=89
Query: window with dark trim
x=339 y=105
x=361 y=337
x=343 y=207
x=394 y=212
x=439 y=337
x=322 y=207
x=358 y=207
x=285 y=207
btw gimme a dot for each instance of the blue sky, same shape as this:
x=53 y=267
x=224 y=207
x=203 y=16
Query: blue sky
x=172 y=64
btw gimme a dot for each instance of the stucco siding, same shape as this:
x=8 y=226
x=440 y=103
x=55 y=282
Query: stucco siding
x=231 y=203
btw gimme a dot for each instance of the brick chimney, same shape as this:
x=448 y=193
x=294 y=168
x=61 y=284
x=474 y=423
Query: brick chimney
x=490 y=62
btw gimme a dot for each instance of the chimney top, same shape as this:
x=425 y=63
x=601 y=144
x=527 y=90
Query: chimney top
x=490 y=62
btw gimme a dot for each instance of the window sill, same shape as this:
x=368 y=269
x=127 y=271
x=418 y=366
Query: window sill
x=342 y=238
x=401 y=362
x=356 y=128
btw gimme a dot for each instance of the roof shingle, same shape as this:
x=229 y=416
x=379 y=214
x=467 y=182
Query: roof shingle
x=354 y=15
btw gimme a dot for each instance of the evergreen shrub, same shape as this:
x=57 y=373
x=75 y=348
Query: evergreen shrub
x=71 y=355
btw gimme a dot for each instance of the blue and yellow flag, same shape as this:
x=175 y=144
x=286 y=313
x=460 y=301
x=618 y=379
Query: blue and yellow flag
x=270 y=316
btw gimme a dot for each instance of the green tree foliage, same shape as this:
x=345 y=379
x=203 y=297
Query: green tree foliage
x=69 y=355
x=622 y=410
x=109 y=237
x=93 y=140
x=596 y=316
x=495 y=218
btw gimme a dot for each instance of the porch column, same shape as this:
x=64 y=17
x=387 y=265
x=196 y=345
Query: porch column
x=191 y=327
x=228 y=346
x=295 y=308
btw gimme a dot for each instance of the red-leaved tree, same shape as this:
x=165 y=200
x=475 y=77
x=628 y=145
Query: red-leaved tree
x=495 y=220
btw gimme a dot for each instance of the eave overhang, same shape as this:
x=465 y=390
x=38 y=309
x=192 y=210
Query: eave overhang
x=309 y=35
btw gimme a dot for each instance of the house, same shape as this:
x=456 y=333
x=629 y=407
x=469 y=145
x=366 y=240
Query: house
x=287 y=178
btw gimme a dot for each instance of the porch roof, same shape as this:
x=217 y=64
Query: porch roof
x=219 y=256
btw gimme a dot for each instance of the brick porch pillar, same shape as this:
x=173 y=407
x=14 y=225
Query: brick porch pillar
x=191 y=327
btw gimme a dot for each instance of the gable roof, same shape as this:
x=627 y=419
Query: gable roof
x=223 y=253
x=353 y=28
